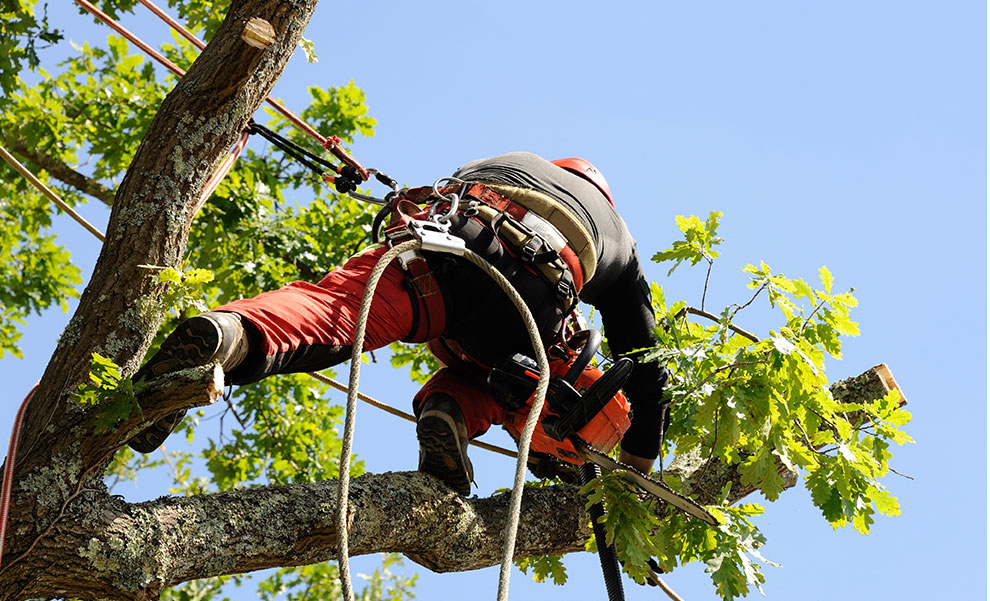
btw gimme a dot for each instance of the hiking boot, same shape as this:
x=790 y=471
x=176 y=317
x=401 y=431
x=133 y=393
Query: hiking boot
x=197 y=341
x=443 y=442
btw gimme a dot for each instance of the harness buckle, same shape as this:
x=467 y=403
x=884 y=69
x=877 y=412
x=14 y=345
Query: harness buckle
x=436 y=237
x=528 y=252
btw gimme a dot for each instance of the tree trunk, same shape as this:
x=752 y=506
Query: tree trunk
x=60 y=460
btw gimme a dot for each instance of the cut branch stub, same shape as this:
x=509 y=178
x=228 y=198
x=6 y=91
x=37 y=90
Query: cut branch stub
x=258 y=33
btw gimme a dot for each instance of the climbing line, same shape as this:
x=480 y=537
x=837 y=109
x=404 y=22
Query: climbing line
x=515 y=500
x=344 y=477
x=24 y=171
x=8 y=470
x=526 y=436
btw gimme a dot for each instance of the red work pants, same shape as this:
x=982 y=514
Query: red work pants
x=308 y=327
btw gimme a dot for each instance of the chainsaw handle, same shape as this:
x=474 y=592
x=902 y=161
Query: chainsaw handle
x=592 y=342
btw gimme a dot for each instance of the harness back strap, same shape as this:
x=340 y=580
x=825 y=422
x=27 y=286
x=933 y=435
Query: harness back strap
x=580 y=254
x=430 y=312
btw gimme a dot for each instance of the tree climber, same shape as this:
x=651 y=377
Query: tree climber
x=550 y=227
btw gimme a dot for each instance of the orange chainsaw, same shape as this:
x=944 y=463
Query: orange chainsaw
x=585 y=414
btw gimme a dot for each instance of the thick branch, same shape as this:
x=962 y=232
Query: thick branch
x=61 y=171
x=106 y=548
x=135 y=550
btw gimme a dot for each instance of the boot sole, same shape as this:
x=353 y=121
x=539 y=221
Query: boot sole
x=441 y=454
x=188 y=346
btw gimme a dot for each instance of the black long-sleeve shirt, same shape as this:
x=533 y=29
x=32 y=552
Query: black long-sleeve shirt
x=618 y=288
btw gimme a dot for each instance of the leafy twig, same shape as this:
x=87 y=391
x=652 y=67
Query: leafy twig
x=715 y=318
x=714 y=373
x=900 y=474
x=805 y=324
x=704 y=293
x=171 y=464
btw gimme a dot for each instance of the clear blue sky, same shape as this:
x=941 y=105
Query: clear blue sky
x=845 y=134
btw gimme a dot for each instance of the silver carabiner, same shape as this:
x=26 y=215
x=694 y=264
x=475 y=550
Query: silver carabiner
x=452 y=198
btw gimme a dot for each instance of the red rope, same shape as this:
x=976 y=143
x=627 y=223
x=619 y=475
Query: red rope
x=222 y=171
x=178 y=27
x=131 y=37
x=164 y=16
x=8 y=472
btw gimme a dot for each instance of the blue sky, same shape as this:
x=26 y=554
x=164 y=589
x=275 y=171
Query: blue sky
x=845 y=134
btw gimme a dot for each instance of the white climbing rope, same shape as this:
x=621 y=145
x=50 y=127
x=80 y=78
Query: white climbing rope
x=515 y=500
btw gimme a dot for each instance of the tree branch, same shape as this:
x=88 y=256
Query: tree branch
x=715 y=318
x=134 y=551
x=106 y=548
x=61 y=171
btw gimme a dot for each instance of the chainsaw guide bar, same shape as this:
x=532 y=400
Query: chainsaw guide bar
x=654 y=487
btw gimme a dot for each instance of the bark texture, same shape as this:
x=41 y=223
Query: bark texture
x=59 y=463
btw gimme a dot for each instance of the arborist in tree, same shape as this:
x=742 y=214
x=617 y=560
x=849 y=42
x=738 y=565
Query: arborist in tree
x=550 y=227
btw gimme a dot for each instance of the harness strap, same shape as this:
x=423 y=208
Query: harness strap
x=429 y=310
x=534 y=221
x=430 y=315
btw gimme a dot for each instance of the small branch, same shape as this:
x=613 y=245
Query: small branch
x=171 y=464
x=750 y=301
x=277 y=439
x=657 y=581
x=900 y=474
x=715 y=318
x=806 y=321
x=63 y=172
x=708 y=275
x=714 y=373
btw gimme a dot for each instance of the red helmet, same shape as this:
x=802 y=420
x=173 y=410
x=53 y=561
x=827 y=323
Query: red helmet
x=587 y=171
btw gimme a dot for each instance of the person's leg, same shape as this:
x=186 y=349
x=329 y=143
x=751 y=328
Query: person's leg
x=301 y=327
x=453 y=407
x=309 y=327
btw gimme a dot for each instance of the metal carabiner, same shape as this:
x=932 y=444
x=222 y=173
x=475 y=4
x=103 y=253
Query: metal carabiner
x=452 y=198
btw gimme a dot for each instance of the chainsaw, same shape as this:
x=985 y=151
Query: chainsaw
x=585 y=414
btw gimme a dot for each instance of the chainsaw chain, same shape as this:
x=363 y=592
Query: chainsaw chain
x=654 y=487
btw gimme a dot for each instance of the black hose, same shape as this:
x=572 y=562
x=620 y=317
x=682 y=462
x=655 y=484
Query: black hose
x=606 y=553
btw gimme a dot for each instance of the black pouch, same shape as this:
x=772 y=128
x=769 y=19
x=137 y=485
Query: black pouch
x=513 y=381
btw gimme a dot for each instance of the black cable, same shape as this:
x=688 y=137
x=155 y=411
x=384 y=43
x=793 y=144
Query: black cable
x=307 y=158
x=606 y=553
